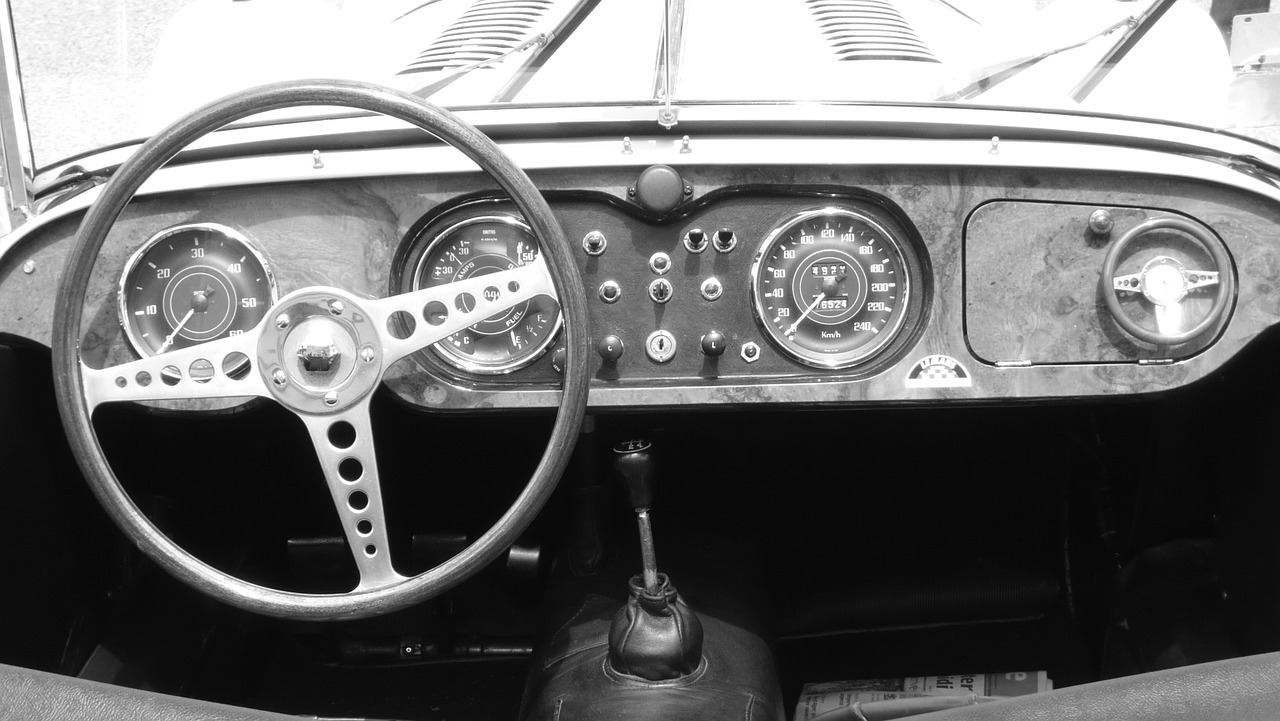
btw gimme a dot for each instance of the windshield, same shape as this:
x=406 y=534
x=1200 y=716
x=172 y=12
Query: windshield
x=99 y=72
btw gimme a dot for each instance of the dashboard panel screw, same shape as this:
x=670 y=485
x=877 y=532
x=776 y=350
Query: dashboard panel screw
x=282 y=321
x=29 y=267
x=278 y=377
x=336 y=307
x=631 y=192
x=331 y=398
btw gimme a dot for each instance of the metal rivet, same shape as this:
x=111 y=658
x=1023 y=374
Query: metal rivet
x=282 y=321
x=29 y=267
x=331 y=398
x=278 y=377
x=626 y=146
x=367 y=354
x=684 y=145
x=316 y=162
x=995 y=145
x=336 y=307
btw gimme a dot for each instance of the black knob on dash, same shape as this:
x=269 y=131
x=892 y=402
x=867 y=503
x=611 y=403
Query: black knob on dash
x=713 y=343
x=610 y=348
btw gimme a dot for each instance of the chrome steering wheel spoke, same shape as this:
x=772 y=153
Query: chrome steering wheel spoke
x=416 y=320
x=321 y=352
x=344 y=445
x=218 y=369
x=1201 y=278
x=1131 y=282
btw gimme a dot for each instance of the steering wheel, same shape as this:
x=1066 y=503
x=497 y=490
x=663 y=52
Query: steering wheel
x=1165 y=283
x=368 y=336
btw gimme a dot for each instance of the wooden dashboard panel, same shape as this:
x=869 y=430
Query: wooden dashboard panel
x=1033 y=290
x=349 y=233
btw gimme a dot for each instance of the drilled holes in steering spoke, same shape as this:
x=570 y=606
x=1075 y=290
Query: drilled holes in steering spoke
x=416 y=320
x=344 y=445
x=218 y=369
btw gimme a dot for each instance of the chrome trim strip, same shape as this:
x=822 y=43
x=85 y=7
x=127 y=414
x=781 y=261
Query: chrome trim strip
x=926 y=121
x=18 y=173
x=731 y=151
x=667 y=72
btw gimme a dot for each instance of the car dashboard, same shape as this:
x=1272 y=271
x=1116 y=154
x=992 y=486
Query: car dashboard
x=963 y=267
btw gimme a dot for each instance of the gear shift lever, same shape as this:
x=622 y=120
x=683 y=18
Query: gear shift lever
x=635 y=465
x=655 y=637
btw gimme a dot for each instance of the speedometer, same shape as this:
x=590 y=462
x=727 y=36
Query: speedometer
x=191 y=284
x=830 y=287
x=478 y=246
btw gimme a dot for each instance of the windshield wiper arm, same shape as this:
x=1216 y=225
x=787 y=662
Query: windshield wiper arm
x=534 y=62
x=426 y=91
x=1117 y=52
x=996 y=74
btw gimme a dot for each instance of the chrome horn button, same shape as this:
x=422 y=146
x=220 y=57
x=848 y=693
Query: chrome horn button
x=1164 y=282
x=322 y=350
x=318 y=352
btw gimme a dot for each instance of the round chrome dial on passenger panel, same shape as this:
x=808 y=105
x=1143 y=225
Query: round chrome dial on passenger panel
x=476 y=247
x=830 y=287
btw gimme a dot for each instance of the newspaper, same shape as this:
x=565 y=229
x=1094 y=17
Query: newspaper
x=818 y=698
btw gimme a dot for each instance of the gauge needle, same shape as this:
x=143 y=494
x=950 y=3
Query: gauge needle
x=829 y=287
x=168 y=340
x=199 y=304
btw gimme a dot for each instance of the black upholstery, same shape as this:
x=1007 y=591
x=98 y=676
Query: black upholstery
x=28 y=695
x=1241 y=689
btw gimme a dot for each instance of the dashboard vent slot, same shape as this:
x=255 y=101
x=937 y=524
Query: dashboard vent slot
x=485 y=31
x=868 y=30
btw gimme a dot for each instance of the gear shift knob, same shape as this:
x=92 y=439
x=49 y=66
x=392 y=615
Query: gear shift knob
x=633 y=460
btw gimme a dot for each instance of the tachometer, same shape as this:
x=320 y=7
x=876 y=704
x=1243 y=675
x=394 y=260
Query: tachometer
x=479 y=246
x=191 y=284
x=830 y=287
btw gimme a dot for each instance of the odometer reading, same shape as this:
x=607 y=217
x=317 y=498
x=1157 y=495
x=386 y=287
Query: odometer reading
x=830 y=287
x=191 y=284
x=479 y=246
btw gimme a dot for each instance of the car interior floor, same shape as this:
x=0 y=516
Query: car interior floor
x=1086 y=540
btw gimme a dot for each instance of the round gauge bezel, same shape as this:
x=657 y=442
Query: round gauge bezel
x=848 y=359
x=122 y=288
x=478 y=368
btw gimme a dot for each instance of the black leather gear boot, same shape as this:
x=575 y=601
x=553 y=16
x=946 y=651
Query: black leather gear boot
x=655 y=636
